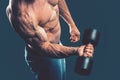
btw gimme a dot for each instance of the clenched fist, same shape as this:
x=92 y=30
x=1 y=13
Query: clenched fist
x=74 y=34
x=86 y=50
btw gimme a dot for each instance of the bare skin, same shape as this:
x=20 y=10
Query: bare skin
x=37 y=22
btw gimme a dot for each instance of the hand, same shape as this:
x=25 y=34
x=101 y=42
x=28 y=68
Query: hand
x=86 y=50
x=74 y=35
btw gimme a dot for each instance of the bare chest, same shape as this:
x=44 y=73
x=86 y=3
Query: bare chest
x=47 y=12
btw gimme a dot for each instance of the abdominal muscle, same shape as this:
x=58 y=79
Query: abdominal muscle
x=54 y=35
x=51 y=23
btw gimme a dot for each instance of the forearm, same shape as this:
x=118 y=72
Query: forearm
x=57 y=50
x=43 y=47
x=65 y=13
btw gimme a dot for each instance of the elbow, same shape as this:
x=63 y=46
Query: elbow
x=47 y=49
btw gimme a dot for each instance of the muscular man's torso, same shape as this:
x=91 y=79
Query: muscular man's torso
x=44 y=13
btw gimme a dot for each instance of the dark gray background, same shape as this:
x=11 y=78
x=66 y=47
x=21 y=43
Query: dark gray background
x=101 y=14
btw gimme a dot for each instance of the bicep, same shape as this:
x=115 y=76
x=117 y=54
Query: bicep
x=29 y=30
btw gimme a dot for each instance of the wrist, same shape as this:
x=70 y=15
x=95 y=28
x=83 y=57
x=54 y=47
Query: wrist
x=76 y=51
x=72 y=25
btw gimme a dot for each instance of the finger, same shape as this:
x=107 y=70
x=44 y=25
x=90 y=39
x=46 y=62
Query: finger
x=71 y=37
x=89 y=45
x=74 y=39
x=81 y=50
x=89 y=51
x=91 y=48
x=87 y=54
x=78 y=37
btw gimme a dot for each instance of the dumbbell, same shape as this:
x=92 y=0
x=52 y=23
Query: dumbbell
x=84 y=64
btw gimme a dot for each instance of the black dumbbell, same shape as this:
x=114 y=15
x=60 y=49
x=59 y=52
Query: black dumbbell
x=84 y=64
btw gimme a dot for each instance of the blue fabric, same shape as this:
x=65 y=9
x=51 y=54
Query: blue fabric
x=46 y=68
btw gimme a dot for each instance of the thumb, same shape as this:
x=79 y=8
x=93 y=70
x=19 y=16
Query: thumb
x=81 y=50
